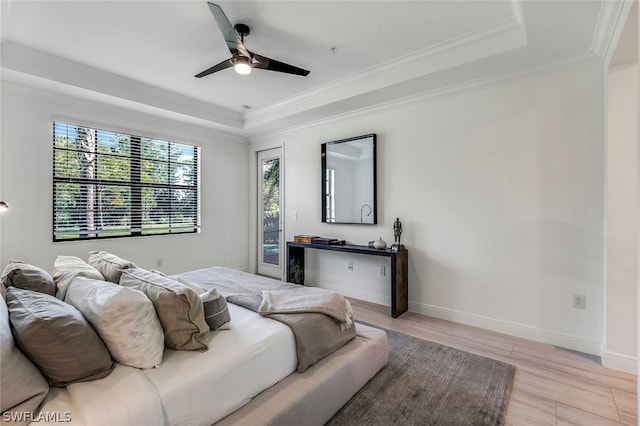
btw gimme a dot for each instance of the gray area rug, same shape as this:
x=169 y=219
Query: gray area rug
x=425 y=383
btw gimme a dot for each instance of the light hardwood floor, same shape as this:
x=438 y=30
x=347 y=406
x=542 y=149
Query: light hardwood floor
x=552 y=386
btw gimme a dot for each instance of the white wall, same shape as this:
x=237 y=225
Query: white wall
x=500 y=192
x=620 y=349
x=26 y=184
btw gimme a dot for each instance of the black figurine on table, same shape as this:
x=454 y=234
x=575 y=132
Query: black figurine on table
x=397 y=232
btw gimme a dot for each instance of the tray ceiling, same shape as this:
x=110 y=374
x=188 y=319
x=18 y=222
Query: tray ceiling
x=144 y=54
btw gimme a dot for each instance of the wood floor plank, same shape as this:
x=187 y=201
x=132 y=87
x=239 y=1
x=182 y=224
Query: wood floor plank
x=627 y=406
x=571 y=416
x=551 y=386
x=561 y=361
x=526 y=408
x=594 y=399
x=582 y=387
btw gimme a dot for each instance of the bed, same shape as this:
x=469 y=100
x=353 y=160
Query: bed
x=247 y=376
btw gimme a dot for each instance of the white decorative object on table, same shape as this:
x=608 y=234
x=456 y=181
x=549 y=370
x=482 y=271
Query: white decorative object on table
x=380 y=244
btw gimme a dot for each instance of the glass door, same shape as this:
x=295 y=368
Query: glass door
x=269 y=208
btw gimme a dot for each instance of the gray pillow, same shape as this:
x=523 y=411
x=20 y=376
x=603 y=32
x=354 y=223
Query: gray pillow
x=23 y=387
x=57 y=338
x=66 y=268
x=179 y=308
x=216 y=311
x=123 y=317
x=109 y=265
x=28 y=277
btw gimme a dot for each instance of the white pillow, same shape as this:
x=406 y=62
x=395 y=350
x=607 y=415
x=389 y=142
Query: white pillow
x=124 y=318
x=193 y=286
x=109 y=265
x=66 y=268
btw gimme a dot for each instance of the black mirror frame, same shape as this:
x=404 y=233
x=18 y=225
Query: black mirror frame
x=323 y=153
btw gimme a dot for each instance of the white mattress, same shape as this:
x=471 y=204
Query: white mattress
x=124 y=397
x=240 y=363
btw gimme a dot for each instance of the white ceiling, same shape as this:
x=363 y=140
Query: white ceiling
x=144 y=54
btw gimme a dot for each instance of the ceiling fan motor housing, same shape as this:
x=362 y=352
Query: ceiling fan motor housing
x=242 y=30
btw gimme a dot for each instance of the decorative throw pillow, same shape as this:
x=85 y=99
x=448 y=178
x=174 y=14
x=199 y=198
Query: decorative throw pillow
x=66 y=268
x=28 y=277
x=23 y=387
x=179 y=308
x=57 y=338
x=216 y=311
x=124 y=318
x=193 y=286
x=109 y=265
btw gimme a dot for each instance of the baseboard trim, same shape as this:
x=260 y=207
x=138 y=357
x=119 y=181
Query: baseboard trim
x=511 y=328
x=621 y=362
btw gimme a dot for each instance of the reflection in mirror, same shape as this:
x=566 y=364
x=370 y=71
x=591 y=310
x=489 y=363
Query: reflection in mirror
x=349 y=181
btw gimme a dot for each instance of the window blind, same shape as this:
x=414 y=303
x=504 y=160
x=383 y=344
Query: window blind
x=108 y=184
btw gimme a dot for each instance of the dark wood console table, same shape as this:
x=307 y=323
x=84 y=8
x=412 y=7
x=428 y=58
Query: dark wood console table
x=399 y=268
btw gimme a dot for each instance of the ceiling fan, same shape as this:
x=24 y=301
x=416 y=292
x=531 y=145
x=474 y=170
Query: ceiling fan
x=243 y=60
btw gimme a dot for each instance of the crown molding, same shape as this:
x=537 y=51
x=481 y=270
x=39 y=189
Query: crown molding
x=72 y=74
x=507 y=35
x=40 y=88
x=516 y=11
x=495 y=80
x=611 y=20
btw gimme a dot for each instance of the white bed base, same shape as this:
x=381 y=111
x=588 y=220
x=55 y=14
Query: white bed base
x=313 y=397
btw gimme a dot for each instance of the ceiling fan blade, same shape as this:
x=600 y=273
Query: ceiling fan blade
x=265 y=63
x=231 y=37
x=227 y=63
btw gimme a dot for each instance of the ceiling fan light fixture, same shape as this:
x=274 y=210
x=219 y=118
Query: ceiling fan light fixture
x=242 y=60
x=242 y=65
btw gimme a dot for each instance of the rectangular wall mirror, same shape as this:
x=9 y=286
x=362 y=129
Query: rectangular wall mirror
x=349 y=181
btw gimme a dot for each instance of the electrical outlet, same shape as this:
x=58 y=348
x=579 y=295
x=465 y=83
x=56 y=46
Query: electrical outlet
x=382 y=270
x=350 y=266
x=579 y=301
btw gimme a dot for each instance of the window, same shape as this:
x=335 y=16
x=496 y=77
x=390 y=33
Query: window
x=108 y=184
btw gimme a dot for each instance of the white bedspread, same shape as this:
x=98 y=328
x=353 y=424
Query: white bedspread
x=200 y=390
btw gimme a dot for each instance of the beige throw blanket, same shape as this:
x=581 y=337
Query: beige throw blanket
x=317 y=334
x=307 y=300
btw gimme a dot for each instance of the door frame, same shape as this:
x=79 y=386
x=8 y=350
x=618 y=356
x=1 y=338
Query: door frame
x=260 y=267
